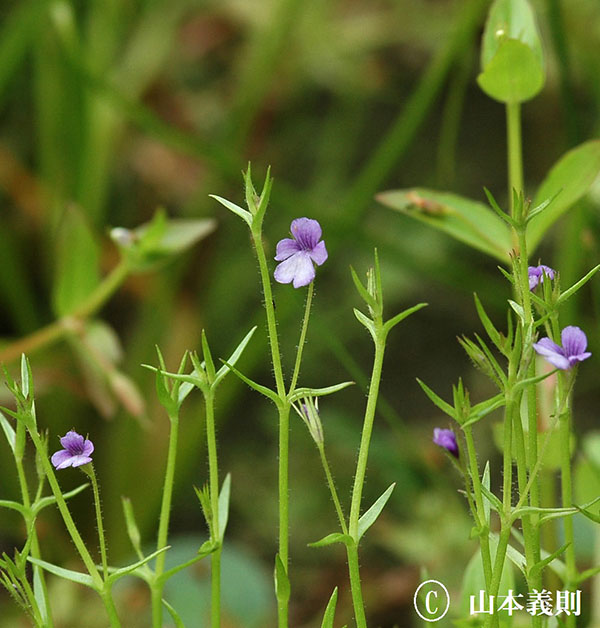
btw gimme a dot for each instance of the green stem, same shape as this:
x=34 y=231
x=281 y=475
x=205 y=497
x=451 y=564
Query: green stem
x=213 y=473
x=480 y=513
x=163 y=524
x=302 y=340
x=284 y=420
x=29 y=519
x=91 y=472
x=515 y=154
x=361 y=470
x=60 y=328
x=332 y=489
x=357 y=598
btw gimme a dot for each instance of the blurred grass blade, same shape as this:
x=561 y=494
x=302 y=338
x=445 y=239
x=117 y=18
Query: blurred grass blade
x=77 y=262
x=568 y=180
x=469 y=221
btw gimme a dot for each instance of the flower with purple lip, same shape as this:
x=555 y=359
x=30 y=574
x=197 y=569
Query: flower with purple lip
x=298 y=254
x=536 y=275
x=573 y=350
x=446 y=439
x=77 y=451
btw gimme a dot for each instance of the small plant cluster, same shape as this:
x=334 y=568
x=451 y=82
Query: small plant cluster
x=535 y=349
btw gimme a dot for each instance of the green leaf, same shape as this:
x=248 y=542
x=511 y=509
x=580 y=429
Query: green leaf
x=123 y=571
x=224 y=506
x=468 y=221
x=576 y=286
x=330 y=539
x=537 y=568
x=367 y=322
x=300 y=393
x=267 y=392
x=208 y=361
x=77 y=259
x=364 y=293
x=68 y=574
x=568 y=180
x=512 y=19
x=438 y=401
x=514 y=74
x=329 y=614
x=485 y=482
x=9 y=432
x=282 y=583
x=494 y=335
x=400 y=317
x=236 y=209
x=43 y=502
x=133 y=531
x=234 y=357
x=369 y=517
x=174 y=616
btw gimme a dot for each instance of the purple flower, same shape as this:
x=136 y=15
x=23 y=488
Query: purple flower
x=573 y=350
x=446 y=439
x=297 y=255
x=536 y=275
x=76 y=452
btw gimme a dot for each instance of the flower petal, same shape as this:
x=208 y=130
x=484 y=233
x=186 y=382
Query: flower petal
x=88 y=448
x=297 y=268
x=78 y=461
x=72 y=441
x=286 y=248
x=307 y=232
x=319 y=253
x=59 y=458
x=574 y=340
x=551 y=352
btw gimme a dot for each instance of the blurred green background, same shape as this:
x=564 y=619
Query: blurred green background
x=112 y=108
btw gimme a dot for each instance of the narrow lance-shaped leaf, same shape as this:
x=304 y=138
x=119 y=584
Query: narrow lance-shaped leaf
x=133 y=531
x=174 y=616
x=282 y=583
x=8 y=430
x=576 y=286
x=234 y=357
x=485 y=481
x=329 y=615
x=224 y=506
x=300 y=393
x=267 y=392
x=438 y=401
x=369 y=517
x=245 y=215
x=67 y=574
x=400 y=317
x=367 y=322
x=330 y=539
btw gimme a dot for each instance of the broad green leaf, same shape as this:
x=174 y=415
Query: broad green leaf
x=282 y=582
x=224 y=506
x=329 y=614
x=330 y=539
x=77 y=258
x=8 y=430
x=369 y=517
x=512 y=19
x=466 y=220
x=68 y=574
x=514 y=74
x=568 y=180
